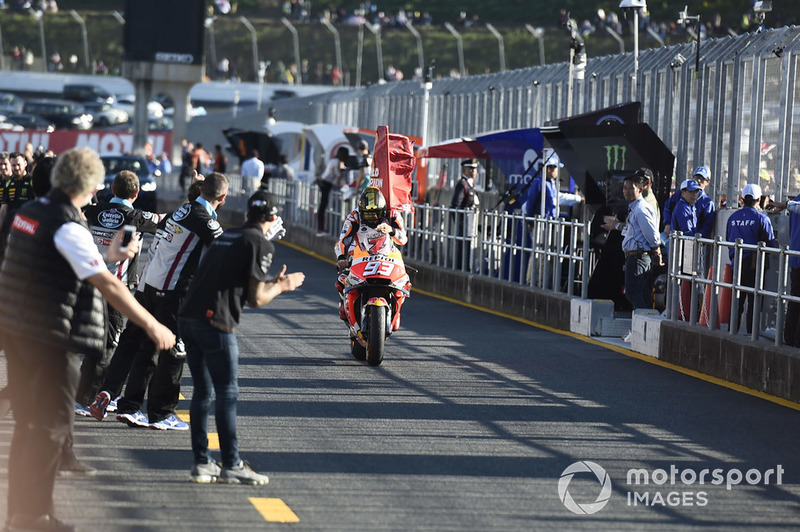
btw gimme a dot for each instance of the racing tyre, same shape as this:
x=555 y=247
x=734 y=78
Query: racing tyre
x=358 y=350
x=376 y=334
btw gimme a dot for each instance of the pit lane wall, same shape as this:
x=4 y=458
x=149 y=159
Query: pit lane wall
x=761 y=365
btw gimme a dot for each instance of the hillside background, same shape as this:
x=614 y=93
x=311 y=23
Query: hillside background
x=233 y=41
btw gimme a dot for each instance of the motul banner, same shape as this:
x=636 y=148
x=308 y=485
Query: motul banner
x=393 y=163
x=103 y=142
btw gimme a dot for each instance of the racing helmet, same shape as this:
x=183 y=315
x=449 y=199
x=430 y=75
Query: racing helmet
x=372 y=206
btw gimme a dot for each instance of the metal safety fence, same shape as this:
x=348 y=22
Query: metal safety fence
x=719 y=284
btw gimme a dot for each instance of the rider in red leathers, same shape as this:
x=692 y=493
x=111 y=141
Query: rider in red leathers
x=371 y=212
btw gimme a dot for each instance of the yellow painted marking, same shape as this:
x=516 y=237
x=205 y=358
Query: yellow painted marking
x=213 y=441
x=274 y=510
x=183 y=415
x=181 y=397
x=627 y=352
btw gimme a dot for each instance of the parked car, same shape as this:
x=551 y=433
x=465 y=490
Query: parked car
x=138 y=165
x=62 y=113
x=87 y=93
x=10 y=103
x=29 y=121
x=104 y=115
x=127 y=103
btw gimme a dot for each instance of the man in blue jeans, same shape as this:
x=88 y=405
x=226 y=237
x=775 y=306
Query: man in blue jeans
x=233 y=270
x=641 y=243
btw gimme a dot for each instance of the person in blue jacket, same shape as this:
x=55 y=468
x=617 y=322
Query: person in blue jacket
x=704 y=205
x=684 y=215
x=752 y=226
x=553 y=199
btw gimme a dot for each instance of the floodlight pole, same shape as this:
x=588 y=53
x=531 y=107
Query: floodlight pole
x=336 y=43
x=254 y=38
x=80 y=21
x=376 y=31
x=500 y=45
x=296 y=43
x=538 y=34
x=459 y=47
x=418 y=37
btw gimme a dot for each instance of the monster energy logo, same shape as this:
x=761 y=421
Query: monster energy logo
x=615 y=156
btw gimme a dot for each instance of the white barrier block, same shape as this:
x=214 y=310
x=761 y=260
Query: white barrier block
x=586 y=315
x=646 y=328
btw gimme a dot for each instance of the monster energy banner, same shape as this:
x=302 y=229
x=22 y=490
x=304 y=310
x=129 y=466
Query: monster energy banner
x=600 y=148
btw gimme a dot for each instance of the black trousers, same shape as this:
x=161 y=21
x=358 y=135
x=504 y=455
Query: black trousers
x=156 y=374
x=93 y=368
x=325 y=194
x=42 y=381
x=791 y=327
x=748 y=278
x=131 y=340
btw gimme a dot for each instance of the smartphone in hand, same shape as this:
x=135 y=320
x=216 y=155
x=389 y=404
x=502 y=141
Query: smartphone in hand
x=127 y=235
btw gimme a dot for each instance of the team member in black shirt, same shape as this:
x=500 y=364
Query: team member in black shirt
x=233 y=270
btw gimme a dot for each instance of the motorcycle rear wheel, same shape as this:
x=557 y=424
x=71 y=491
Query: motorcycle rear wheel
x=358 y=350
x=376 y=334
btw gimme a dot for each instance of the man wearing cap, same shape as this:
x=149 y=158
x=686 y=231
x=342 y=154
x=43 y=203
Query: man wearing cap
x=464 y=195
x=641 y=243
x=233 y=271
x=684 y=216
x=552 y=197
x=684 y=219
x=704 y=205
x=751 y=226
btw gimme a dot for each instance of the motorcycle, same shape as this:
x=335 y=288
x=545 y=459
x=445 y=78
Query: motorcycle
x=375 y=287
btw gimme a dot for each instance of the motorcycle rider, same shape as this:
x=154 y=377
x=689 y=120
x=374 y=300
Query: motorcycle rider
x=370 y=213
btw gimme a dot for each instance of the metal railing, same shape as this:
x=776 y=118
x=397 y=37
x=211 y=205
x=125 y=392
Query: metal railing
x=712 y=289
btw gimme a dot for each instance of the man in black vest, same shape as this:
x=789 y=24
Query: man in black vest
x=52 y=284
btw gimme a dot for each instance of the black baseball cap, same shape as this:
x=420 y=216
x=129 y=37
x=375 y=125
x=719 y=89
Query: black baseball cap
x=262 y=204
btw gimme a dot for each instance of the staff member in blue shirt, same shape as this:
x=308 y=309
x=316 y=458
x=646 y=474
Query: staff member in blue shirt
x=641 y=242
x=704 y=205
x=752 y=226
x=684 y=216
x=553 y=199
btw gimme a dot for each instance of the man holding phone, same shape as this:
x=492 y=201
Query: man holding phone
x=105 y=220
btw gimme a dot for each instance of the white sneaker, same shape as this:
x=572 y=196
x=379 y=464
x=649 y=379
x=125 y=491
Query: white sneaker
x=628 y=337
x=242 y=473
x=321 y=233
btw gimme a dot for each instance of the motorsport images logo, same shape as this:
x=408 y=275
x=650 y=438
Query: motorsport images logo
x=668 y=486
x=602 y=478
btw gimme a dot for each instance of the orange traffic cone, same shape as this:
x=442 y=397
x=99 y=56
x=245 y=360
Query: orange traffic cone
x=706 y=310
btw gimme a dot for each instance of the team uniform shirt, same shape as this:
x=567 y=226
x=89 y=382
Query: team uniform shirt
x=106 y=219
x=352 y=224
x=752 y=226
x=18 y=192
x=175 y=252
x=641 y=229
x=684 y=218
x=219 y=290
x=77 y=247
x=704 y=207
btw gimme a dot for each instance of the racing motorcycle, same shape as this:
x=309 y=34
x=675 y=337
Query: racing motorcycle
x=376 y=284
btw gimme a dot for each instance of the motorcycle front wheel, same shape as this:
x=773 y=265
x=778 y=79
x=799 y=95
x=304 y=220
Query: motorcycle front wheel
x=376 y=334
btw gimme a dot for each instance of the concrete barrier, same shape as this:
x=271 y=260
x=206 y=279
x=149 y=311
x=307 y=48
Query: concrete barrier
x=759 y=365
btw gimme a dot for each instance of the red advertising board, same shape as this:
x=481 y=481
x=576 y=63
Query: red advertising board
x=104 y=142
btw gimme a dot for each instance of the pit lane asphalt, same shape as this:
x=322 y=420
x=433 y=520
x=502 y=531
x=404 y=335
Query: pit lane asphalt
x=468 y=424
